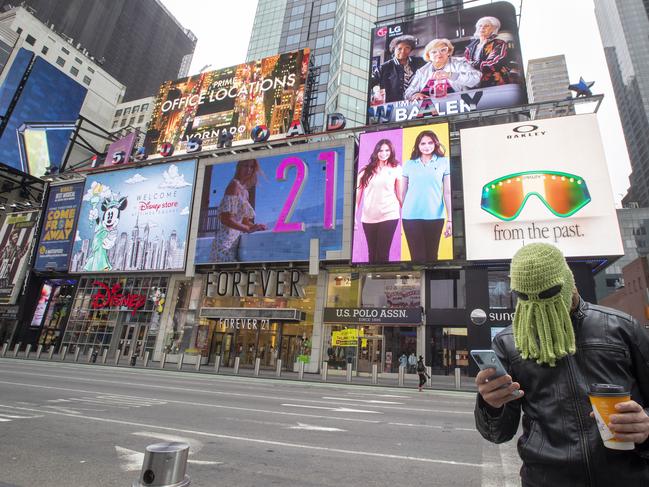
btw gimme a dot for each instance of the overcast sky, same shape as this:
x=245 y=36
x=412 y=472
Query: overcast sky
x=547 y=28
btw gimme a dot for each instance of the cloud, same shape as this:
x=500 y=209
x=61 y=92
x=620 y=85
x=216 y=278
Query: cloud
x=138 y=178
x=185 y=211
x=77 y=237
x=97 y=191
x=172 y=178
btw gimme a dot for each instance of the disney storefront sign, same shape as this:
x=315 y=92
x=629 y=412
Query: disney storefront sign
x=111 y=297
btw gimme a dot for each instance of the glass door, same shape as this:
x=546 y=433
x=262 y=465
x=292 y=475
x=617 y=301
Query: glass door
x=126 y=339
x=370 y=352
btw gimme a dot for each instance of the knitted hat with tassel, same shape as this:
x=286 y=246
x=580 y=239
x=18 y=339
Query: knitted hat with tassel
x=544 y=284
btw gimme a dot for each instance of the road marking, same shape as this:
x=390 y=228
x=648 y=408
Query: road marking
x=130 y=459
x=301 y=446
x=15 y=416
x=338 y=410
x=378 y=395
x=369 y=401
x=309 y=427
x=3 y=420
x=473 y=430
x=501 y=464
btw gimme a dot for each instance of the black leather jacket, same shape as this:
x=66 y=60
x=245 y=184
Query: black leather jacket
x=389 y=76
x=560 y=444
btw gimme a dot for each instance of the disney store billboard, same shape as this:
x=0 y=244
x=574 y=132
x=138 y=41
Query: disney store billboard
x=135 y=219
x=446 y=64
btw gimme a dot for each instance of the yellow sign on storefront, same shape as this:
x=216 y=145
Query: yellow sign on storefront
x=348 y=337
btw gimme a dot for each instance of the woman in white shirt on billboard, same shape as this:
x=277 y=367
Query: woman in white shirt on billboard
x=378 y=196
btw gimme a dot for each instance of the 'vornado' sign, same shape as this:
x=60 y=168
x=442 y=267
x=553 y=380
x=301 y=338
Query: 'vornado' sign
x=375 y=316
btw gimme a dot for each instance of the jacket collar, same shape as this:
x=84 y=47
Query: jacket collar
x=579 y=313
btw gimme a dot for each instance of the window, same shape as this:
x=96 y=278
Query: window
x=44 y=50
x=327 y=8
x=326 y=24
x=65 y=50
x=118 y=113
x=294 y=39
x=74 y=71
x=144 y=107
x=131 y=121
x=323 y=41
x=19 y=30
x=77 y=60
x=295 y=24
x=90 y=70
x=123 y=122
x=500 y=295
x=115 y=124
x=127 y=110
x=140 y=119
x=30 y=40
x=136 y=108
x=448 y=290
x=86 y=80
x=60 y=61
x=297 y=10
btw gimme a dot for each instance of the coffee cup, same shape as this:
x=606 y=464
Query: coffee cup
x=603 y=398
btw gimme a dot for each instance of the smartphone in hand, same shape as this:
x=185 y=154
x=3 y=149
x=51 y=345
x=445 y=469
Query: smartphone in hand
x=487 y=359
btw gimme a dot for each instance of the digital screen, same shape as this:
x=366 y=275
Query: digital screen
x=562 y=197
x=57 y=233
x=232 y=100
x=446 y=64
x=270 y=208
x=403 y=196
x=41 y=306
x=135 y=219
x=48 y=95
x=16 y=237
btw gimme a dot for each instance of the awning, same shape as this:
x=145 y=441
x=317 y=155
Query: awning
x=277 y=314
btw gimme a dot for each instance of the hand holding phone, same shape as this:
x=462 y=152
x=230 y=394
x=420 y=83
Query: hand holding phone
x=495 y=386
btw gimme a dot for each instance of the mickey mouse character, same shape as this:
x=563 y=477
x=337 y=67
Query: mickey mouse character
x=105 y=234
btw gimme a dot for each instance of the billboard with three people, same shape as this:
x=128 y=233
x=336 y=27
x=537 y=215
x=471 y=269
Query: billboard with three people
x=446 y=64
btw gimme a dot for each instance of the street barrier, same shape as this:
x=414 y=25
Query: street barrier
x=180 y=361
x=118 y=353
x=402 y=373
x=257 y=366
x=28 y=350
x=164 y=465
x=5 y=346
x=39 y=350
x=63 y=353
x=278 y=368
x=458 y=378
x=51 y=353
x=76 y=354
x=237 y=361
x=16 y=348
x=163 y=360
x=349 y=372
x=324 y=370
x=429 y=371
x=300 y=370
x=146 y=359
x=104 y=356
x=375 y=374
x=217 y=364
x=197 y=366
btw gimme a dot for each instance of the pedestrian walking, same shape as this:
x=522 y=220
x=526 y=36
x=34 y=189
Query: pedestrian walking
x=558 y=350
x=421 y=371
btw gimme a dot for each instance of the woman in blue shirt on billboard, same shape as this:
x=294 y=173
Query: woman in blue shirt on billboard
x=426 y=190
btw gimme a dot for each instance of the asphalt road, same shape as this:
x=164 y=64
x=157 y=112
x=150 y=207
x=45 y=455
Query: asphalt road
x=86 y=425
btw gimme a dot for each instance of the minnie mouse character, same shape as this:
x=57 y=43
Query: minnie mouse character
x=105 y=234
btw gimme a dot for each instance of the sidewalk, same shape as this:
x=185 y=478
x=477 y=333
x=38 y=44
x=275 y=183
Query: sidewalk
x=411 y=381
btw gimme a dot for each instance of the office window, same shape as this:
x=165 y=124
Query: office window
x=44 y=50
x=123 y=122
x=500 y=295
x=74 y=71
x=65 y=50
x=19 y=30
x=118 y=113
x=127 y=110
x=90 y=70
x=327 y=8
x=60 y=61
x=131 y=121
x=297 y=10
x=294 y=39
x=77 y=60
x=115 y=124
x=144 y=107
x=30 y=40
x=323 y=41
x=140 y=119
x=326 y=24
x=448 y=290
x=136 y=108
x=295 y=24
x=86 y=80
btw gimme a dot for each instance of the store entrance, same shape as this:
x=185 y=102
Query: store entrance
x=131 y=339
x=370 y=352
x=222 y=346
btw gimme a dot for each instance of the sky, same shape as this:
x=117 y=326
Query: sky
x=547 y=28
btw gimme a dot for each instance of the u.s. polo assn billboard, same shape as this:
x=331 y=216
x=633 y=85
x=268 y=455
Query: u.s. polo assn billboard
x=538 y=181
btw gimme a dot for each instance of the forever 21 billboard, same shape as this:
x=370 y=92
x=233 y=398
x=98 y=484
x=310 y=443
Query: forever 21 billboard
x=269 y=209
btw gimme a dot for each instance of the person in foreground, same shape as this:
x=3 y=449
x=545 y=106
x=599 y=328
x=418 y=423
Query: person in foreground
x=555 y=348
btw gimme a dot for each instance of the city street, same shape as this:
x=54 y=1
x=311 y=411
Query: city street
x=74 y=424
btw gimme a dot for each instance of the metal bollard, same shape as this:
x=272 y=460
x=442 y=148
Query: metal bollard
x=349 y=372
x=51 y=353
x=163 y=360
x=63 y=353
x=5 y=346
x=164 y=465
x=257 y=366
x=324 y=371
x=146 y=359
x=180 y=361
x=278 y=368
x=300 y=370
x=76 y=354
x=16 y=348
x=217 y=364
x=237 y=361
x=375 y=374
x=429 y=370
x=458 y=378
x=402 y=373
x=104 y=356
x=89 y=358
x=197 y=366
x=118 y=353
x=28 y=350
x=39 y=350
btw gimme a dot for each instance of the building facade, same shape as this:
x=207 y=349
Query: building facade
x=141 y=44
x=622 y=25
x=547 y=80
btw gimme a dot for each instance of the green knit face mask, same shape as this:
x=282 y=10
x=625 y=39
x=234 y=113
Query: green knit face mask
x=544 y=284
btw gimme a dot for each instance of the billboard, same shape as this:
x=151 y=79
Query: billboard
x=16 y=238
x=48 y=95
x=455 y=62
x=119 y=152
x=402 y=211
x=135 y=219
x=270 y=208
x=232 y=100
x=538 y=181
x=57 y=232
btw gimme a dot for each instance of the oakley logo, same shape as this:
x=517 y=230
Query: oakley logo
x=526 y=131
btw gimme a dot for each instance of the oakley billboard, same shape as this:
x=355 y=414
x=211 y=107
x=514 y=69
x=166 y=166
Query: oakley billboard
x=539 y=181
x=272 y=208
x=231 y=101
x=403 y=196
x=455 y=62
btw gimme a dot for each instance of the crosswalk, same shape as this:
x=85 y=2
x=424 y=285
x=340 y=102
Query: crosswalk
x=112 y=401
x=7 y=416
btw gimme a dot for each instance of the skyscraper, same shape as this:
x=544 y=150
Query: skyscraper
x=623 y=25
x=547 y=80
x=138 y=42
x=338 y=34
